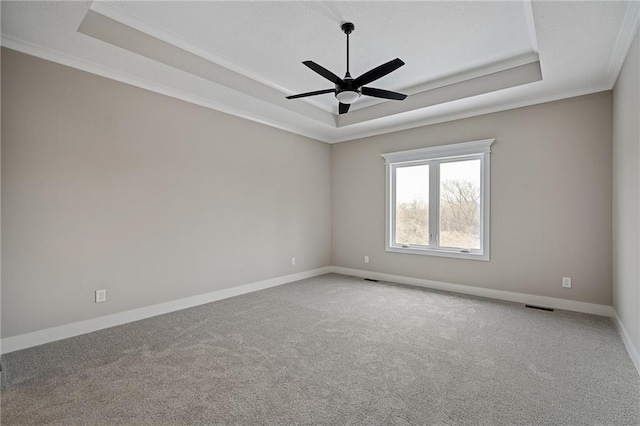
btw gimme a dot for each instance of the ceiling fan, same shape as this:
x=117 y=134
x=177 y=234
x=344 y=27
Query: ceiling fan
x=347 y=89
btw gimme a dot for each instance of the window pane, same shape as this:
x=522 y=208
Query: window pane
x=412 y=205
x=460 y=204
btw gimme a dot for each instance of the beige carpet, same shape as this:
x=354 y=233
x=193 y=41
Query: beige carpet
x=333 y=350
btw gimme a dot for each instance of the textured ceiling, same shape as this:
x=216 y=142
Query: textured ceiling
x=462 y=58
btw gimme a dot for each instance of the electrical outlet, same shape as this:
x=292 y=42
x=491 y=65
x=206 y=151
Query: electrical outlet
x=566 y=282
x=101 y=296
x=366 y=259
x=293 y=261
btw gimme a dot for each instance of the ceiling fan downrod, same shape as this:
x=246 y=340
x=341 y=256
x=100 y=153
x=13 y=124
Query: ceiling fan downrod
x=348 y=28
x=346 y=93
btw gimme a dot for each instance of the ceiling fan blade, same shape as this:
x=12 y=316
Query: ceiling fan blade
x=324 y=72
x=384 y=94
x=317 y=92
x=343 y=108
x=378 y=72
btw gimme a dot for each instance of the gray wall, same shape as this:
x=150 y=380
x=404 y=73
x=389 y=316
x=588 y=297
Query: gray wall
x=550 y=201
x=626 y=194
x=109 y=186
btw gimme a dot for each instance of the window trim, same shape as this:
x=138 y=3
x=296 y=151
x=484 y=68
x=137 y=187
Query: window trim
x=480 y=149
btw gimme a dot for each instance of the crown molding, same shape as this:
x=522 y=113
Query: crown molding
x=64 y=59
x=629 y=29
x=153 y=86
x=480 y=85
x=459 y=77
x=117 y=14
x=121 y=35
x=473 y=112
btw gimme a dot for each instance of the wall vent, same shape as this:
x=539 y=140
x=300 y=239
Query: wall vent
x=541 y=308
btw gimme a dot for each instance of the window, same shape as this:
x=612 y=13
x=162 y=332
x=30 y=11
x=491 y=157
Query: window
x=438 y=200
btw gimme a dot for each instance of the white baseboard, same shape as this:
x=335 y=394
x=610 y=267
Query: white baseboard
x=634 y=353
x=530 y=299
x=23 y=341
x=40 y=337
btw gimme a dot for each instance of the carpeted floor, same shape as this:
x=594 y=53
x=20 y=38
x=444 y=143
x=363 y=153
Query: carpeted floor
x=333 y=350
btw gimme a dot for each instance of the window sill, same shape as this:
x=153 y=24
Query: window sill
x=439 y=253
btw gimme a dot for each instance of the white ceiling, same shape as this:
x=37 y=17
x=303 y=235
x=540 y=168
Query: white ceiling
x=291 y=32
x=462 y=58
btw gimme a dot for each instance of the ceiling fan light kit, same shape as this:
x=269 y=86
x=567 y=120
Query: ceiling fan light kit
x=348 y=90
x=348 y=96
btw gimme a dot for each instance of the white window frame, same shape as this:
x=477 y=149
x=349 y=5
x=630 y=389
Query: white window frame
x=434 y=156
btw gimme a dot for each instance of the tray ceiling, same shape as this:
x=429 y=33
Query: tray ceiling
x=462 y=58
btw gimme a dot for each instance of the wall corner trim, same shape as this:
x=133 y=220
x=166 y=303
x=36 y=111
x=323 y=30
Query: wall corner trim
x=531 y=299
x=634 y=353
x=40 y=337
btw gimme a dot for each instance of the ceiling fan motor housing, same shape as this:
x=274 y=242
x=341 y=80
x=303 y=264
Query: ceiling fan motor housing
x=346 y=92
